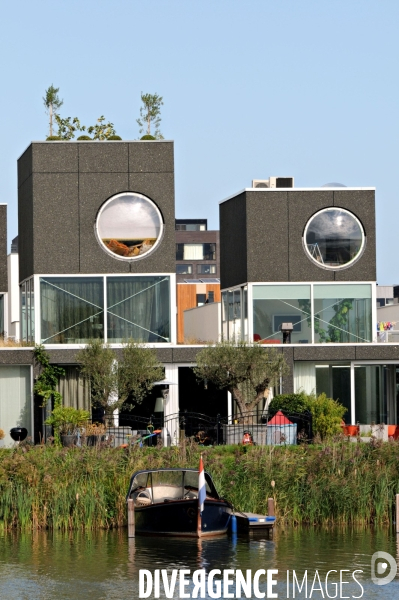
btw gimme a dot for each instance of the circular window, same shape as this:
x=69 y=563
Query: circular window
x=334 y=238
x=129 y=226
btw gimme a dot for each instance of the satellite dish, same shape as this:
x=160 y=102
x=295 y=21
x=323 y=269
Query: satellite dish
x=332 y=185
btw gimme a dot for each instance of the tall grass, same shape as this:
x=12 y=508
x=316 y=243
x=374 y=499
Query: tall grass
x=85 y=488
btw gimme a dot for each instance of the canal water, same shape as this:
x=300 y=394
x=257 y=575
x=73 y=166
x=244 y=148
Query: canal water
x=106 y=565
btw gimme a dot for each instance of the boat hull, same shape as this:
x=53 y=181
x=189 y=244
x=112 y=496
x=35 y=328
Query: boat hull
x=180 y=518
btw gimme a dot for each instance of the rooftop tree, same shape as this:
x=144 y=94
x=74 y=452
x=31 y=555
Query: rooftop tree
x=150 y=113
x=52 y=102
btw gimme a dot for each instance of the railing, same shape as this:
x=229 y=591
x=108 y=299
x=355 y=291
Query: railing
x=388 y=335
x=247 y=428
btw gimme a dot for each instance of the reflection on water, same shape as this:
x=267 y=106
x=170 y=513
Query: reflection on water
x=47 y=565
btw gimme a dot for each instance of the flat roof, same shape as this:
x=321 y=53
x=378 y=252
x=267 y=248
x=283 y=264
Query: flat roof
x=298 y=189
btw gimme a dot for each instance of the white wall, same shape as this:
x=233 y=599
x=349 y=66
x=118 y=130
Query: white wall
x=12 y=326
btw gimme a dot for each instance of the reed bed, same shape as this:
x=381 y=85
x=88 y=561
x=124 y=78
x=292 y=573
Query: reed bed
x=84 y=488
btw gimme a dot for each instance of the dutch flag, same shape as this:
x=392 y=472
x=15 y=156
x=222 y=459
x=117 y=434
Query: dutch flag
x=201 y=486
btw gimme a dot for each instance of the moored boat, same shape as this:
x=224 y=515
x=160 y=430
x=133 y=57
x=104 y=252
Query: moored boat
x=166 y=503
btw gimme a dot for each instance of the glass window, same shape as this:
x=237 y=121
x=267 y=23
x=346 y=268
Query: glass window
x=277 y=304
x=206 y=269
x=129 y=225
x=368 y=403
x=195 y=251
x=342 y=313
x=334 y=238
x=184 y=269
x=138 y=308
x=201 y=299
x=23 y=312
x=72 y=309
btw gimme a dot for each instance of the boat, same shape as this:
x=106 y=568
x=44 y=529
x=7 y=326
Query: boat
x=164 y=502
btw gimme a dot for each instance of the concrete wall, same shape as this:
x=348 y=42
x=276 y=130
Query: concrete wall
x=61 y=187
x=203 y=323
x=261 y=235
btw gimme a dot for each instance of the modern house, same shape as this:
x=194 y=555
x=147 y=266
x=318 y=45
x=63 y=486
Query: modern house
x=307 y=257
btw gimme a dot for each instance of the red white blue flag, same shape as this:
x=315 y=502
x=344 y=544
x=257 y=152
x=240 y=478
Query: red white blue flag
x=201 y=486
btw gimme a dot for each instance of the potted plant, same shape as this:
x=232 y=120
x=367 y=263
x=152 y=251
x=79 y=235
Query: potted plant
x=66 y=422
x=94 y=433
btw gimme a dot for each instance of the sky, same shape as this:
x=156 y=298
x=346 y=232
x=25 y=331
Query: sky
x=251 y=89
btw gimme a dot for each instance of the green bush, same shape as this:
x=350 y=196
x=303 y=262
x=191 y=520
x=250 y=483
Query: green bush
x=289 y=403
x=148 y=137
x=114 y=137
x=53 y=138
x=326 y=413
x=84 y=138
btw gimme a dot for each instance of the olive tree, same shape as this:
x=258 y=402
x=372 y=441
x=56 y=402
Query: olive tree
x=113 y=381
x=246 y=370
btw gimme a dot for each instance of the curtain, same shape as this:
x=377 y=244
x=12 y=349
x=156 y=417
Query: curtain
x=74 y=389
x=15 y=400
x=138 y=308
x=193 y=252
x=304 y=377
x=72 y=309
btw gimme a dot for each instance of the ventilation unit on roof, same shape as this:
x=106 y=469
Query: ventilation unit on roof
x=273 y=182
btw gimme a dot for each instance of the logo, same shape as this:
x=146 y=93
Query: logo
x=380 y=561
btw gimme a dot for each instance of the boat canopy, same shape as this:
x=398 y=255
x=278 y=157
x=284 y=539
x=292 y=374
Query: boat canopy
x=180 y=479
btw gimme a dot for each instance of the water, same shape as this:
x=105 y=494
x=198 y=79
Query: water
x=106 y=565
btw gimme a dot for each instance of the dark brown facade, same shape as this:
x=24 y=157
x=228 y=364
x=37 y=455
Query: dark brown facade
x=198 y=237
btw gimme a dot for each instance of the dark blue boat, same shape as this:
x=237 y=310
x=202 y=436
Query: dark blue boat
x=166 y=503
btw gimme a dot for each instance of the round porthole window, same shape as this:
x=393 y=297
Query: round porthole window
x=129 y=226
x=334 y=238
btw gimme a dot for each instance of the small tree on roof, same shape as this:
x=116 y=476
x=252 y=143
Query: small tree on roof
x=52 y=102
x=246 y=370
x=150 y=114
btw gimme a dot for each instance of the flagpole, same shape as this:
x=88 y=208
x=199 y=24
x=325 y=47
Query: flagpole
x=201 y=496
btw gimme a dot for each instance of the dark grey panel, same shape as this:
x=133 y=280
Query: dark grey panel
x=63 y=356
x=151 y=157
x=267 y=236
x=288 y=380
x=94 y=190
x=362 y=204
x=301 y=206
x=25 y=229
x=159 y=187
x=55 y=223
x=3 y=249
x=25 y=165
x=233 y=242
x=103 y=157
x=16 y=356
x=377 y=352
x=185 y=354
x=54 y=157
x=165 y=355
x=325 y=353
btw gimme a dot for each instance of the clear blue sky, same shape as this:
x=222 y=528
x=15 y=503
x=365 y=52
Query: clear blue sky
x=251 y=88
